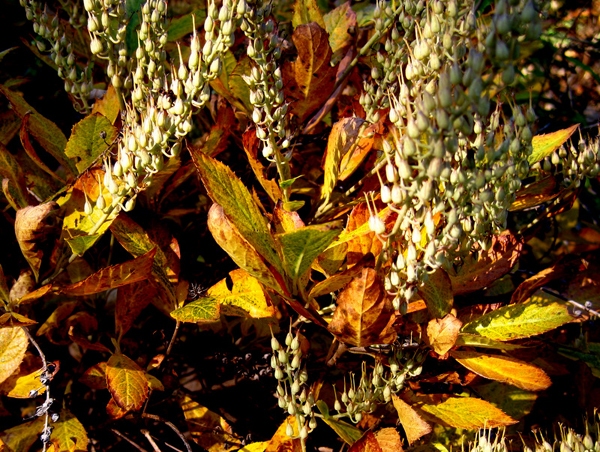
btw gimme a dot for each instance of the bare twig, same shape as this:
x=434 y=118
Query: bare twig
x=120 y=435
x=155 y=447
x=177 y=325
x=170 y=425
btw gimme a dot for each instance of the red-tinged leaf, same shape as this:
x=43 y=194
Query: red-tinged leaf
x=437 y=293
x=43 y=130
x=389 y=440
x=13 y=345
x=32 y=296
x=414 y=426
x=62 y=311
x=342 y=138
x=31 y=152
x=241 y=251
x=114 y=410
x=347 y=235
x=353 y=159
x=442 y=333
x=307 y=11
x=338 y=23
x=535 y=194
x=224 y=187
x=34 y=225
x=477 y=273
x=246 y=298
x=252 y=146
x=285 y=221
x=567 y=267
x=204 y=309
x=335 y=282
x=281 y=442
x=539 y=314
x=367 y=443
x=467 y=412
x=209 y=430
x=309 y=80
x=131 y=301
x=362 y=244
x=129 y=272
x=95 y=376
x=364 y=315
x=504 y=369
x=15 y=319
x=21 y=437
x=545 y=144
x=84 y=342
x=108 y=106
x=68 y=434
x=126 y=382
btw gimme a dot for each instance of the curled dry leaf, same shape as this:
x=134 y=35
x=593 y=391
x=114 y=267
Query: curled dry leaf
x=364 y=315
x=442 y=333
x=33 y=226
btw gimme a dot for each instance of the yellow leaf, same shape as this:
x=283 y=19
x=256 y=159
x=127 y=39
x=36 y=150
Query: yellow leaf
x=544 y=145
x=21 y=437
x=245 y=299
x=13 y=345
x=504 y=369
x=126 y=382
x=255 y=447
x=389 y=440
x=281 y=441
x=68 y=434
x=468 y=412
x=414 y=426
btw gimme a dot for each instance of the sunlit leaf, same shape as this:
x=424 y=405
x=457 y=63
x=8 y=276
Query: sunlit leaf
x=229 y=192
x=89 y=138
x=13 y=345
x=342 y=138
x=366 y=443
x=536 y=193
x=414 y=426
x=389 y=439
x=114 y=410
x=504 y=369
x=306 y=11
x=252 y=146
x=181 y=26
x=545 y=144
x=362 y=244
x=255 y=447
x=479 y=272
x=475 y=340
x=238 y=87
x=68 y=434
x=535 y=316
x=357 y=154
x=246 y=298
x=228 y=237
x=33 y=226
x=515 y=402
x=135 y=270
x=126 y=382
x=441 y=334
x=309 y=80
x=108 y=106
x=385 y=214
x=21 y=437
x=25 y=383
x=204 y=309
x=95 y=376
x=302 y=246
x=209 y=430
x=468 y=412
x=15 y=319
x=437 y=293
x=338 y=23
x=364 y=315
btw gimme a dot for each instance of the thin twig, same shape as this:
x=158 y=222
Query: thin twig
x=120 y=435
x=155 y=447
x=177 y=325
x=171 y=425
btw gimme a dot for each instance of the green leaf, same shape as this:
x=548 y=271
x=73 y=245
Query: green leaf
x=4 y=292
x=475 y=340
x=306 y=11
x=82 y=243
x=338 y=23
x=205 y=309
x=302 y=246
x=47 y=133
x=545 y=145
x=238 y=87
x=184 y=25
x=5 y=52
x=437 y=293
x=133 y=10
x=289 y=182
x=224 y=187
x=591 y=356
x=346 y=432
x=540 y=313
x=86 y=143
x=68 y=433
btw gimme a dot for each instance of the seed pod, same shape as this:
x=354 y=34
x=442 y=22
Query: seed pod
x=502 y=52
x=386 y=194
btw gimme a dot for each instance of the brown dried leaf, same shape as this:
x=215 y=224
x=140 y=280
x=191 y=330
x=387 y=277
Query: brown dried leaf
x=95 y=376
x=309 y=80
x=442 y=333
x=414 y=426
x=364 y=316
x=476 y=273
x=367 y=443
x=389 y=440
x=535 y=194
x=33 y=225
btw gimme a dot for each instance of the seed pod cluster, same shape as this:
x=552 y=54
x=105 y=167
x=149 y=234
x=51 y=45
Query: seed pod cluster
x=572 y=164
x=452 y=161
x=294 y=395
x=52 y=38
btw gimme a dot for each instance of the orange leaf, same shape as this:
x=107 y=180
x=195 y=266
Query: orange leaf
x=367 y=443
x=131 y=300
x=362 y=244
x=364 y=315
x=251 y=146
x=504 y=369
x=442 y=333
x=389 y=440
x=535 y=194
x=281 y=442
x=95 y=376
x=114 y=410
x=126 y=382
x=13 y=345
x=468 y=412
x=414 y=426
x=138 y=269
x=477 y=273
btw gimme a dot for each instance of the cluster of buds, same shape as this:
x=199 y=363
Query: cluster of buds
x=378 y=386
x=571 y=441
x=293 y=394
x=485 y=443
x=52 y=37
x=574 y=164
x=266 y=84
x=452 y=162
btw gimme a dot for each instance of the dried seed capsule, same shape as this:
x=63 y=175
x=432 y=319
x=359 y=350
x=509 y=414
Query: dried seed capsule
x=386 y=194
